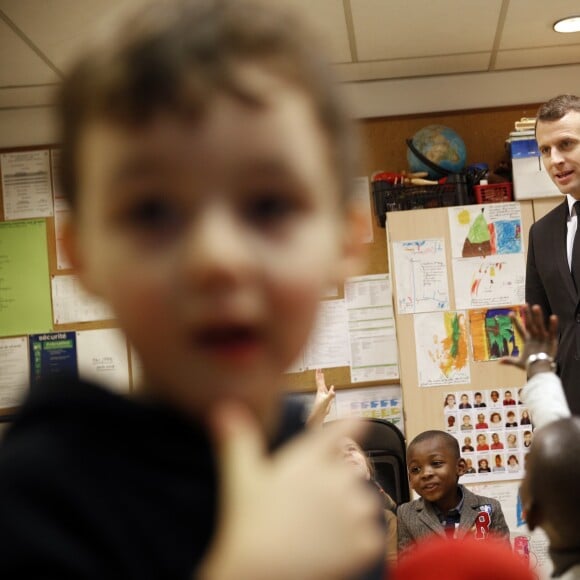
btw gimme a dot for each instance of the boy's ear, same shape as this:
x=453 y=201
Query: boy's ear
x=354 y=251
x=71 y=245
x=461 y=467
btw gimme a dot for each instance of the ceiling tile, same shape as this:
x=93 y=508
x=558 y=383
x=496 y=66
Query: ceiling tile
x=406 y=28
x=19 y=64
x=59 y=28
x=533 y=57
x=328 y=18
x=529 y=23
x=413 y=67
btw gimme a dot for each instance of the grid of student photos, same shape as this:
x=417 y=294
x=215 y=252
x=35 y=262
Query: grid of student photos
x=493 y=429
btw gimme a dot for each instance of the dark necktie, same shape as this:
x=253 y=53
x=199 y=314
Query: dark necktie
x=576 y=249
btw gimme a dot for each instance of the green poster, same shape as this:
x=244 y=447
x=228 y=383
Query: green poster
x=25 y=306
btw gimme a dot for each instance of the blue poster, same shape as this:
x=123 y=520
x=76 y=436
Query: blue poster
x=52 y=355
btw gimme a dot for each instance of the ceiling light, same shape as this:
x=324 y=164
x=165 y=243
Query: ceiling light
x=570 y=24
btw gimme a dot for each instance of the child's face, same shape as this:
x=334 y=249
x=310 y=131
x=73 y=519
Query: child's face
x=464 y=398
x=495 y=418
x=494 y=396
x=466 y=420
x=478 y=399
x=434 y=471
x=354 y=456
x=213 y=241
x=481 y=439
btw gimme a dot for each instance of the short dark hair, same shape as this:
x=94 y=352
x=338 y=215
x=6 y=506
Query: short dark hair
x=175 y=55
x=448 y=440
x=557 y=107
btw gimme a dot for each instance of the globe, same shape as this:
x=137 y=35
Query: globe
x=441 y=145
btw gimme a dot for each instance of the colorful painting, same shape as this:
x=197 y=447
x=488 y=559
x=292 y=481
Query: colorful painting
x=492 y=333
x=485 y=230
x=442 y=350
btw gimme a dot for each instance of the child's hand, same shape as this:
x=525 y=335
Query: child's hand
x=322 y=401
x=300 y=513
x=537 y=338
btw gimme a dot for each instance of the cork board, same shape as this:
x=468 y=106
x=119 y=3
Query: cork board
x=424 y=405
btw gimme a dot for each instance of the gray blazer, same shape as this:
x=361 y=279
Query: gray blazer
x=418 y=518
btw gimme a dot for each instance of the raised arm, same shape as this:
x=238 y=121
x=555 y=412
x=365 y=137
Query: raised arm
x=322 y=401
x=543 y=393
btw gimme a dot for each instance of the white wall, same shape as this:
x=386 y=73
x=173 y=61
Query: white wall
x=462 y=91
x=35 y=126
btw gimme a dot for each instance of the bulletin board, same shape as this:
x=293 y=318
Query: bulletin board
x=424 y=405
x=484 y=132
x=383 y=143
x=33 y=271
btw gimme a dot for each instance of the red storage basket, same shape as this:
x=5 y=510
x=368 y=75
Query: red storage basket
x=493 y=192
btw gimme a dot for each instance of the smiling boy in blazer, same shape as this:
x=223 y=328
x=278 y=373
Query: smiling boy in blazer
x=445 y=507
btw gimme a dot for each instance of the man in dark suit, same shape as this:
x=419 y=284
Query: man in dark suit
x=553 y=265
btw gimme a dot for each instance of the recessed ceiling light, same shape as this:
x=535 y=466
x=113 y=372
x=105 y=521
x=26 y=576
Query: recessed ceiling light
x=571 y=24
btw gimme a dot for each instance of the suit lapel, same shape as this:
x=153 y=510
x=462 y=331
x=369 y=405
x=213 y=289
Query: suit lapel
x=469 y=512
x=561 y=252
x=429 y=518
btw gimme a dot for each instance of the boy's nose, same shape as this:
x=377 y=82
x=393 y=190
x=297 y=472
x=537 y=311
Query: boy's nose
x=217 y=253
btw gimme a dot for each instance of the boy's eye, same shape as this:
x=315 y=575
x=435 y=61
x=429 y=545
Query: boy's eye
x=437 y=463
x=414 y=470
x=154 y=216
x=269 y=209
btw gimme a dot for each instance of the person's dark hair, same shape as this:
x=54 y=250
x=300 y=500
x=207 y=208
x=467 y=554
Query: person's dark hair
x=176 y=55
x=478 y=394
x=448 y=440
x=557 y=107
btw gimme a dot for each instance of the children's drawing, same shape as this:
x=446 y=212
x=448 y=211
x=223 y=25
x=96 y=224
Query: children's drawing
x=485 y=230
x=478 y=240
x=421 y=276
x=489 y=282
x=441 y=342
x=492 y=333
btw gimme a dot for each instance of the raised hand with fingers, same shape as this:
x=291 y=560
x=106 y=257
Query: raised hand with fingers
x=322 y=401
x=540 y=342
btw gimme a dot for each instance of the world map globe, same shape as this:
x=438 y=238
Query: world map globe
x=441 y=145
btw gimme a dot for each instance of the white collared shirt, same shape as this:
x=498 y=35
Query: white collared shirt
x=572 y=226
